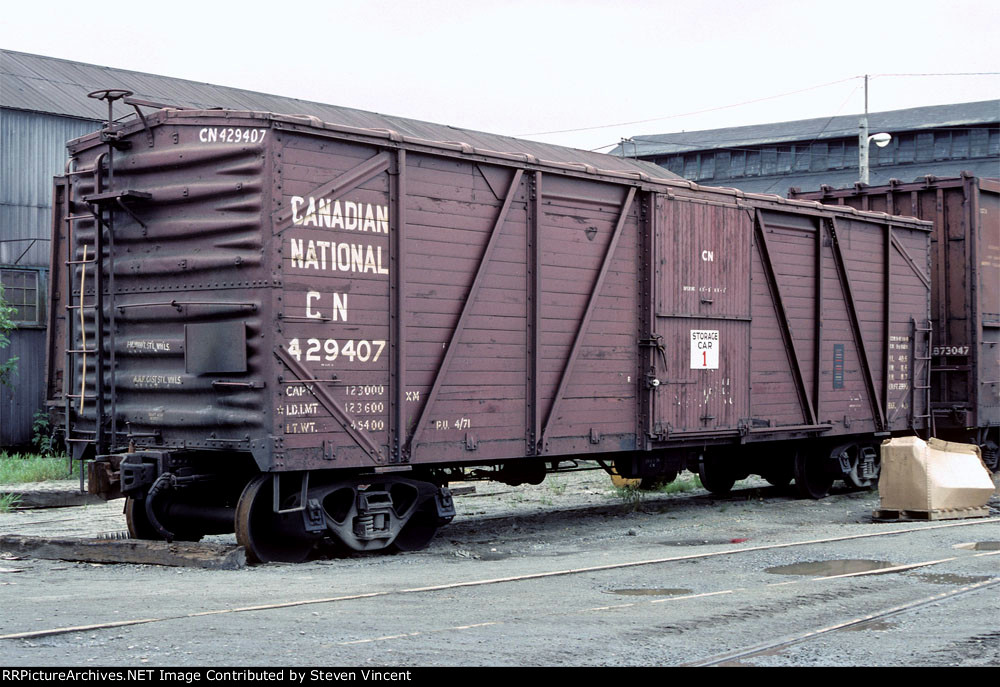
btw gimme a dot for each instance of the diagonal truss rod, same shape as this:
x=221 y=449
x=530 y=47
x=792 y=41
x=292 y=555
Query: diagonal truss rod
x=344 y=183
x=910 y=261
x=327 y=400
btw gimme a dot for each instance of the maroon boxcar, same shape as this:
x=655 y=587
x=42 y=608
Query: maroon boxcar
x=965 y=295
x=303 y=330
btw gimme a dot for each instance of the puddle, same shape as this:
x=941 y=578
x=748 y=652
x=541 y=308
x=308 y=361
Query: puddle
x=829 y=568
x=649 y=592
x=945 y=578
x=493 y=556
x=700 y=542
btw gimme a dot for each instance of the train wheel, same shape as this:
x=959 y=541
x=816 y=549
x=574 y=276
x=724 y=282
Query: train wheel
x=266 y=535
x=811 y=480
x=715 y=475
x=779 y=471
x=417 y=533
x=139 y=526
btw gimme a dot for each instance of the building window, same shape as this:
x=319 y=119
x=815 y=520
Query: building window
x=835 y=155
x=801 y=159
x=768 y=161
x=784 y=160
x=23 y=289
x=737 y=163
x=722 y=162
x=925 y=147
x=942 y=145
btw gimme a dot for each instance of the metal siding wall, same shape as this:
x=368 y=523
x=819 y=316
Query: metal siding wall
x=18 y=404
x=32 y=151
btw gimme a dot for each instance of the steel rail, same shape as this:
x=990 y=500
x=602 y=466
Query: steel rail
x=813 y=634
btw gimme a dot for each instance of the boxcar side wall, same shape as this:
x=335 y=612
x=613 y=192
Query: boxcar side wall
x=450 y=309
x=781 y=323
x=965 y=271
x=328 y=299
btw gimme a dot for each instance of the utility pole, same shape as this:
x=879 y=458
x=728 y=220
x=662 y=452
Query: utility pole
x=863 y=141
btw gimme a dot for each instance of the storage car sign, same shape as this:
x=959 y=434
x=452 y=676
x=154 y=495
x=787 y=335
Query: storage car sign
x=704 y=349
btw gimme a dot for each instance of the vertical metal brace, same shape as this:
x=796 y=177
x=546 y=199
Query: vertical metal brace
x=818 y=322
x=533 y=325
x=397 y=309
x=886 y=316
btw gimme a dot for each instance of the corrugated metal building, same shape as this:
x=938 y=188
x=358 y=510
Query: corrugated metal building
x=44 y=103
x=942 y=140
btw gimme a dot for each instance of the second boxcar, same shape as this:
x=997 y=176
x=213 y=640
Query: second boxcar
x=965 y=295
x=300 y=330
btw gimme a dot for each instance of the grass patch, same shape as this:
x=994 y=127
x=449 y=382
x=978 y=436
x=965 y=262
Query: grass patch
x=686 y=482
x=630 y=496
x=8 y=502
x=633 y=496
x=16 y=468
x=556 y=486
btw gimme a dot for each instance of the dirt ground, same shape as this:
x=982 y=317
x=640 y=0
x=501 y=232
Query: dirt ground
x=569 y=572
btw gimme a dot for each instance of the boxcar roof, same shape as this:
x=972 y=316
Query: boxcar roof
x=50 y=85
x=659 y=178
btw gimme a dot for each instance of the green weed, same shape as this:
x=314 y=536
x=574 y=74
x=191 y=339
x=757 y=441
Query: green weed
x=41 y=433
x=630 y=496
x=680 y=485
x=8 y=502
x=31 y=467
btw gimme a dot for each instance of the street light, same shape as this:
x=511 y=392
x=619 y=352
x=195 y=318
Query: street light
x=864 y=140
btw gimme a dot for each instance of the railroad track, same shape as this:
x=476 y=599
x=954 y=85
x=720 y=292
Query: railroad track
x=798 y=638
x=617 y=567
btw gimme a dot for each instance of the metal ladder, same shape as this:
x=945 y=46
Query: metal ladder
x=77 y=393
x=927 y=333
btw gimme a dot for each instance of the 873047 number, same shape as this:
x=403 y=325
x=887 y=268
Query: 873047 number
x=951 y=350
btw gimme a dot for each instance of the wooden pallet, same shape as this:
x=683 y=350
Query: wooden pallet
x=934 y=514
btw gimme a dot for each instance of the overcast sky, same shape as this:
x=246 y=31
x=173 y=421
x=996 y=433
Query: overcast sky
x=522 y=68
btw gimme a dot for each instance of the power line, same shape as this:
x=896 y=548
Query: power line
x=750 y=102
x=943 y=74
x=686 y=114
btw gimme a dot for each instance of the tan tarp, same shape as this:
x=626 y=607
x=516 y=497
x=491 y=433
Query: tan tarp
x=932 y=475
